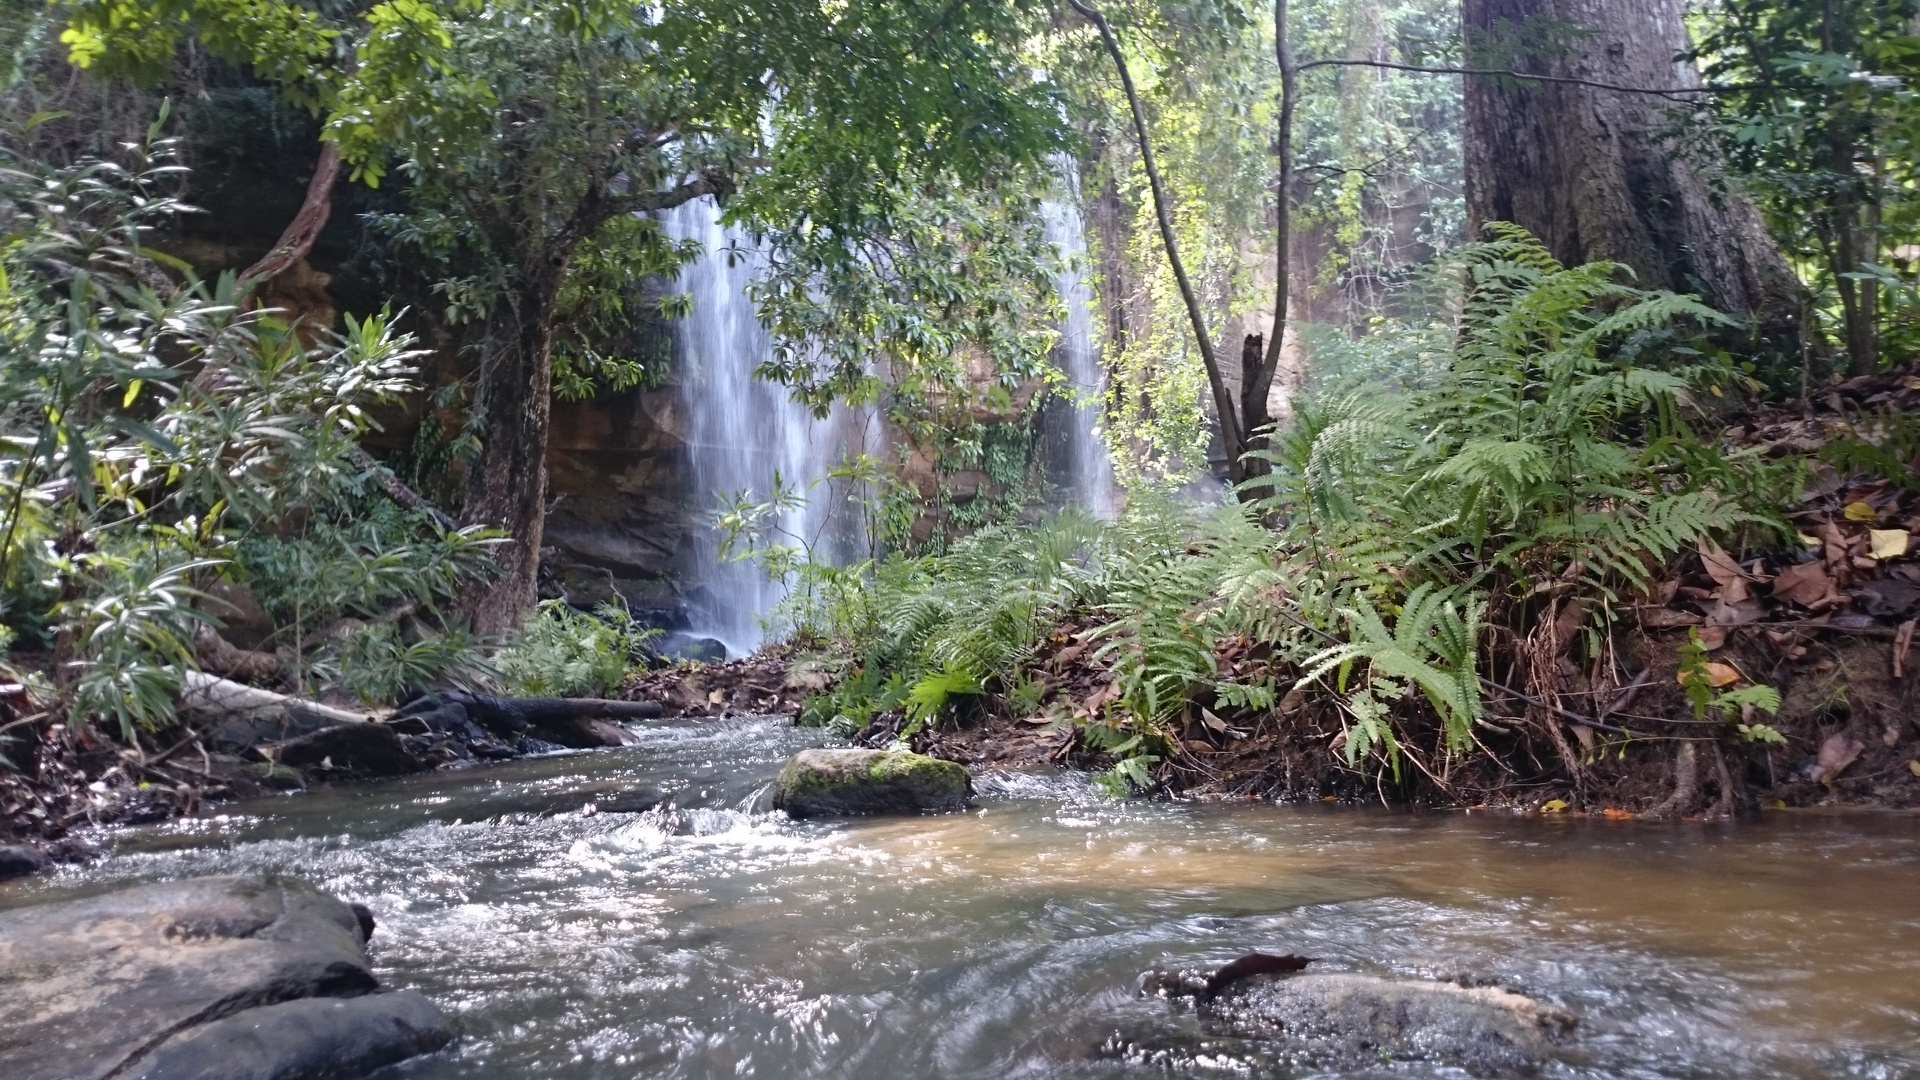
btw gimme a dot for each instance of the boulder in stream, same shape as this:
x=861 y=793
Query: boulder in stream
x=1348 y=1020
x=224 y=978
x=835 y=783
x=19 y=860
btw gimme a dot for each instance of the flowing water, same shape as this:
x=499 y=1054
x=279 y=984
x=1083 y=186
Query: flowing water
x=703 y=939
x=745 y=432
x=1084 y=471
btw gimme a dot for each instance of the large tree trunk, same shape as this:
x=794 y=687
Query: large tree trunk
x=507 y=482
x=1591 y=172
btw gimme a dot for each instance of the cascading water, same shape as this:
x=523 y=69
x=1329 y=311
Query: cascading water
x=743 y=432
x=1082 y=468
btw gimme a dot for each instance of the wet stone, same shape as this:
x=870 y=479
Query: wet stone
x=838 y=783
x=1343 y=1020
x=225 y=978
x=366 y=748
x=19 y=860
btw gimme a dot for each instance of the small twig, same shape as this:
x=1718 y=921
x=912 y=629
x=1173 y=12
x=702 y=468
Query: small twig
x=1627 y=695
x=24 y=720
x=1862 y=631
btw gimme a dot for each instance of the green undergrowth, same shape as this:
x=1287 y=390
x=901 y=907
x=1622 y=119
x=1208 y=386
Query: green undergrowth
x=1551 y=460
x=163 y=449
x=563 y=652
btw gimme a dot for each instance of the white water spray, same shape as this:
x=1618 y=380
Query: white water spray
x=1087 y=472
x=743 y=432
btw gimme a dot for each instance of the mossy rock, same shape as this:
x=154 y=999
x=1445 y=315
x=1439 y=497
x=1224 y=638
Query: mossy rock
x=838 y=783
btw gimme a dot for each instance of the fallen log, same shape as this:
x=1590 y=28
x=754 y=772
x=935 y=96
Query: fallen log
x=239 y=716
x=574 y=722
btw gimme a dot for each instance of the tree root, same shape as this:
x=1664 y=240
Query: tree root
x=1686 y=784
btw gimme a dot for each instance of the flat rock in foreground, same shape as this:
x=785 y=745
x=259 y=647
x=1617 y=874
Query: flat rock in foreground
x=225 y=978
x=835 y=783
x=1348 y=1020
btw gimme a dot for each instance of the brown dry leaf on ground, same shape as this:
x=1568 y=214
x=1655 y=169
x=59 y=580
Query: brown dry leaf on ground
x=1719 y=675
x=1721 y=567
x=1838 y=752
x=1807 y=584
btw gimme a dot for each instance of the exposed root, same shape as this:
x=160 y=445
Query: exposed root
x=1686 y=784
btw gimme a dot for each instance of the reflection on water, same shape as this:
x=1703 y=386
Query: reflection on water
x=701 y=939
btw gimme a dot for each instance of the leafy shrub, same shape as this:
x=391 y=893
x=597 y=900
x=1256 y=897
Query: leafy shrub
x=562 y=652
x=157 y=435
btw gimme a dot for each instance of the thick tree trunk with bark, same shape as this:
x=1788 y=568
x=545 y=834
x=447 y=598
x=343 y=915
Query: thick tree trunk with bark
x=1592 y=173
x=507 y=482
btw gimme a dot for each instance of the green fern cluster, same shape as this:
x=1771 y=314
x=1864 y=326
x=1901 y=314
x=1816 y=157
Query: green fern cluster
x=561 y=652
x=1552 y=446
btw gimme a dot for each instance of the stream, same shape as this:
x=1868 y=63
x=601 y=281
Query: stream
x=703 y=939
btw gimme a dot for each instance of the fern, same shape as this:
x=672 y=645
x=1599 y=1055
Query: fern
x=1433 y=645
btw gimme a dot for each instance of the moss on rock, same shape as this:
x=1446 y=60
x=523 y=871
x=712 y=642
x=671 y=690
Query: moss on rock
x=833 y=783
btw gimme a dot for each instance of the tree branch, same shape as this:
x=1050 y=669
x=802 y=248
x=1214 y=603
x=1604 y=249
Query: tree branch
x=1230 y=433
x=712 y=180
x=298 y=238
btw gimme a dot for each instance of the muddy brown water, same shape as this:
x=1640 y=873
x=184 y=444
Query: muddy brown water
x=707 y=938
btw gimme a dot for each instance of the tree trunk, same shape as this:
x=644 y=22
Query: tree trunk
x=1592 y=173
x=507 y=482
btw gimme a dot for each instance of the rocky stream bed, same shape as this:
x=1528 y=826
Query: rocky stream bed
x=646 y=911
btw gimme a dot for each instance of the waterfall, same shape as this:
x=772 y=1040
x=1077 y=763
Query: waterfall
x=1081 y=466
x=742 y=432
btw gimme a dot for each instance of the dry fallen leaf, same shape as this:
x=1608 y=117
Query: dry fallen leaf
x=1806 y=584
x=1718 y=675
x=1886 y=544
x=1914 y=766
x=1902 y=641
x=1712 y=637
x=1666 y=618
x=1838 y=752
x=1735 y=614
x=1720 y=565
x=1859 y=511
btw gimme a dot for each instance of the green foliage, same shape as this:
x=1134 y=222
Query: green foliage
x=825 y=601
x=929 y=698
x=1736 y=706
x=561 y=652
x=1432 y=645
x=904 y=305
x=153 y=437
x=1817 y=113
x=352 y=583
x=1549 y=448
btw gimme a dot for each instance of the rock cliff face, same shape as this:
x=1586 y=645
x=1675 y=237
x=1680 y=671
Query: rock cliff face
x=623 y=511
